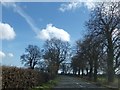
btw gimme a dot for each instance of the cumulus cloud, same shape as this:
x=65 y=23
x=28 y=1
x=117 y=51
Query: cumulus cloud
x=10 y=54
x=2 y=55
x=53 y=32
x=90 y=4
x=6 y=32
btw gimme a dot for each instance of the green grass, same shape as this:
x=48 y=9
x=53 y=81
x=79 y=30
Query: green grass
x=103 y=81
x=47 y=86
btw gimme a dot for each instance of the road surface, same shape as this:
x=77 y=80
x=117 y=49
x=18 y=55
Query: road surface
x=75 y=83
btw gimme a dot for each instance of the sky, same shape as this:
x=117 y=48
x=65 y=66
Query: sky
x=25 y=23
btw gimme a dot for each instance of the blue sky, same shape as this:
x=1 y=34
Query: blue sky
x=31 y=22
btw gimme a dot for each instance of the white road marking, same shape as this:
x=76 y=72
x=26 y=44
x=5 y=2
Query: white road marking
x=88 y=83
x=80 y=85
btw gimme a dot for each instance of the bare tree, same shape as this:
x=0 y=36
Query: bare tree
x=88 y=56
x=81 y=56
x=75 y=64
x=31 y=57
x=55 y=52
x=105 y=21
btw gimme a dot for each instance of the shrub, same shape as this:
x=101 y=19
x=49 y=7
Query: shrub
x=13 y=77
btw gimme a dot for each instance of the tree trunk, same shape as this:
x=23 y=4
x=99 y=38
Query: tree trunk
x=82 y=72
x=95 y=70
x=74 y=71
x=86 y=71
x=30 y=64
x=56 y=68
x=110 y=57
x=110 y=67
x=79 y=71
x=91 y=69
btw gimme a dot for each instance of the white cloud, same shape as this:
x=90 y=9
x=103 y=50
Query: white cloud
x=2 y=55
x=69 y=6
x=10 y=54
x=28 y=19
x=52 y=32
x=8 y=0
x=6 y=32
x=90 y=4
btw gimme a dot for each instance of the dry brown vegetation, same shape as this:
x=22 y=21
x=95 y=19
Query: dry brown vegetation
x=13 y=77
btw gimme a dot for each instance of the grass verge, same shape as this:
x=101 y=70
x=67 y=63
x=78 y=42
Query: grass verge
x=47 y=86
x=102 y=82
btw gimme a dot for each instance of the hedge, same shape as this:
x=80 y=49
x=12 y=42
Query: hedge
x=13 y=77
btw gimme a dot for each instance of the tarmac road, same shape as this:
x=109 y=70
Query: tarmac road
x=75 y=83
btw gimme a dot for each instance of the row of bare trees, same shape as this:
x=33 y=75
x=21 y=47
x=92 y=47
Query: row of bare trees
x=48 y=59
x=98 y=52
x=100 y=49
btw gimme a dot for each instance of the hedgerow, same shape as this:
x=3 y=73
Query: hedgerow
x=13 y=77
